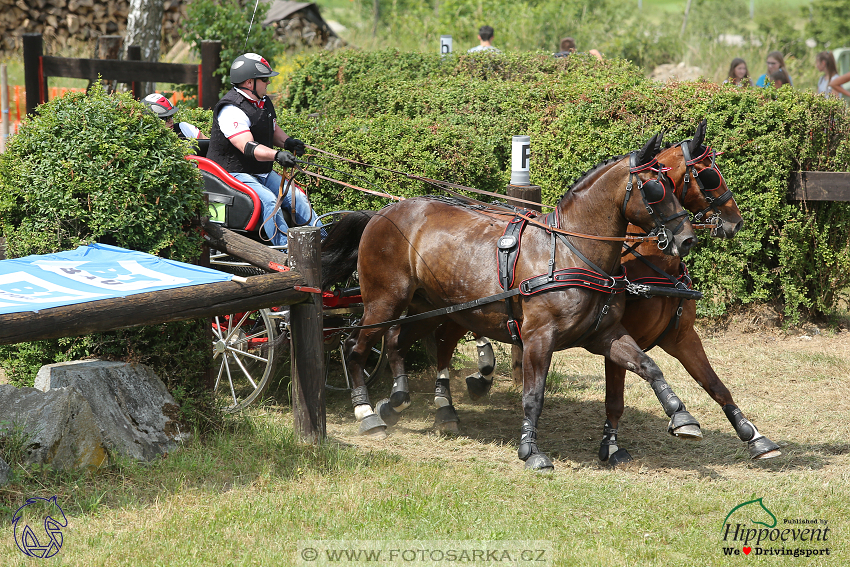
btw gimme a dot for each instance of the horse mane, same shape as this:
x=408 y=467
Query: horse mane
x=587 y=173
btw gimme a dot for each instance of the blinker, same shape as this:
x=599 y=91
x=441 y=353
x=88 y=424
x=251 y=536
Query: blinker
x=654 y=191
x=710 y=179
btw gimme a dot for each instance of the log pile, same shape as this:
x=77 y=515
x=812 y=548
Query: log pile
x=299 y=31
x=72 y=22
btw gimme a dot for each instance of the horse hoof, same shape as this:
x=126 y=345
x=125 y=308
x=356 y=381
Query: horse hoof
x=372 y=426
x=621 y=456
x=477 y=386
x=682 y=424
x=538 y=462
x=763 y=448
x=446 y=419
x=688 y=432
x=387 y=413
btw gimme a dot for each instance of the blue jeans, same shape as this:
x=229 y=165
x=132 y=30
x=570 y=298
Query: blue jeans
x=267 y=185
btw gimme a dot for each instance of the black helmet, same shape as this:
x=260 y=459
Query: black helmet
x=159 y=105
x=250 y=66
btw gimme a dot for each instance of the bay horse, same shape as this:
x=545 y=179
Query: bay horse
x=668 y=322
x=415 y=255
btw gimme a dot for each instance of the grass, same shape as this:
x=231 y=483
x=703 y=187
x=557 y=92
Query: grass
x=247 y=495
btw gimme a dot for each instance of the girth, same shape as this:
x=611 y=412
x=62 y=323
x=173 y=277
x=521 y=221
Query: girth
x=507 y=250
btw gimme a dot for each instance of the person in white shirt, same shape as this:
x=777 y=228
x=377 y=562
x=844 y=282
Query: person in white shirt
x=485 y=37
x=244 y=132
x=163 y=108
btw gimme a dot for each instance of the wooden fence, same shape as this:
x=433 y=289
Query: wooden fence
x=38 y=67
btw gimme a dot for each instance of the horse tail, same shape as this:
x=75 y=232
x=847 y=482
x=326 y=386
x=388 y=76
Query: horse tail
x=340 y=247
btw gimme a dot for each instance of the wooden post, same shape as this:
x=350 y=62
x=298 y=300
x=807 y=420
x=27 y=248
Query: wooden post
x=5 y=119
x=527 y=193
x=308 y=354
x=209 y=85
x=108 y=47
x=134 y=53
x=33 y=80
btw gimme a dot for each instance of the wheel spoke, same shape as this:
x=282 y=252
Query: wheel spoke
x=217 y=327
x=234 y=328
x=245 y=371
x=235 y=351
x=230 y=379
x=220 y=371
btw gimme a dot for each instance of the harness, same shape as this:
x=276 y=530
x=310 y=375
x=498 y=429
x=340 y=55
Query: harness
x=711 y=177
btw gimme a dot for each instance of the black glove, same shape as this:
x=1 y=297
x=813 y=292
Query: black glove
x=285 y=159
x=294 y=145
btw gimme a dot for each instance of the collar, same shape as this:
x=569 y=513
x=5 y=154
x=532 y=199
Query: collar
x=258 y=103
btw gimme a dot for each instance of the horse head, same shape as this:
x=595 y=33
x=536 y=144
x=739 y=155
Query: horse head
x=700 y=186
x=656 y=209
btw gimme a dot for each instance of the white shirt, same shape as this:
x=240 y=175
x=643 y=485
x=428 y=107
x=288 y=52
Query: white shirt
x=233 y=121
x=478 y=48
x=823 y=86
x=189 y=130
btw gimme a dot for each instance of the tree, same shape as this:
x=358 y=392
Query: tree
x=144 y=28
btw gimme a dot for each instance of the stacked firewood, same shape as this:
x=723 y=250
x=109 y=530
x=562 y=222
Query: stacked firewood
x=71 y=22
x=297 y=31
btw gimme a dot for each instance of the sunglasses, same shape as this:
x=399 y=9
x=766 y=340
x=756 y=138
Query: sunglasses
x=264 y=79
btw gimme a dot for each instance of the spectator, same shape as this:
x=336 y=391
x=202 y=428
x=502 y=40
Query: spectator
x=485 y=37
x=825 y=63
x=163 y=108
x=244 y=131
x=775 y=62
x=779 y=79
x=739 y=75
x=837 y=84
x=568 y=46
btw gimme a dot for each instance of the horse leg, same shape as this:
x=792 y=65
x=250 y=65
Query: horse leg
x=370 y=424
x=478 y=385
x=625 y=352
x=689 y=351
x=609 y=450
x=448 y=335
x=536 y=357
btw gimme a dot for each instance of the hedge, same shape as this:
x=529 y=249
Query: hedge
x=452 y=118
x=101 y=168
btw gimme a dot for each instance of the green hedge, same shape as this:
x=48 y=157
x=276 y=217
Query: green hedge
x=98 y=167
x=453 y=119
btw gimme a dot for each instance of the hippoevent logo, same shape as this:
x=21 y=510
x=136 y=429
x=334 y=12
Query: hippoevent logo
x=751 y=528
x=46 y=540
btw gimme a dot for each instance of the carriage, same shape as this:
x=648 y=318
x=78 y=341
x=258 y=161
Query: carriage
x=248 y=347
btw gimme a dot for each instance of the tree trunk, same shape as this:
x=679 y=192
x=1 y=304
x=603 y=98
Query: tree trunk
x=144 y=28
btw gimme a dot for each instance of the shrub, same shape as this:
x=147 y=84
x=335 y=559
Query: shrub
x=453 y=119
x=97 y=167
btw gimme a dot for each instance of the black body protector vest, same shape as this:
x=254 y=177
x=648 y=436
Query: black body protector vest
x=262 y=122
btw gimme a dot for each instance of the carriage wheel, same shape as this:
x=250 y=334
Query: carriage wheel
x=337 y=374
x=244 y=350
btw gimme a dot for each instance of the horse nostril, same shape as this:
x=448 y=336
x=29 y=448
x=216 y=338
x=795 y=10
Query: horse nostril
x=687 y=244
x=738 y=227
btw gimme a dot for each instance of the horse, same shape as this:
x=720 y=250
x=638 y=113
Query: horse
x=415 y=255
x=668 y=322
x=657 y=320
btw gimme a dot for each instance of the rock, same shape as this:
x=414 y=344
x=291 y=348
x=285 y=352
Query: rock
x=675 y=72
x=58 y=427
x=5 y=472
x=136 y=415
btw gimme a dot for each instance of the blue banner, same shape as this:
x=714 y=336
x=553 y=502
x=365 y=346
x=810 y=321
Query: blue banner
x=91 y=273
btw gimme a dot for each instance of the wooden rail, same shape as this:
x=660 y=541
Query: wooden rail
x=37 y=67
x=819 y=186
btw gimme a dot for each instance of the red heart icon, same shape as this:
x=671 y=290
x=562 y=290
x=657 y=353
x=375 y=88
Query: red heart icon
x=747 y=550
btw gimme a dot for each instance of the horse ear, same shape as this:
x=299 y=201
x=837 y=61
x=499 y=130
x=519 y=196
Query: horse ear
x=699 y=137
x=650 y=150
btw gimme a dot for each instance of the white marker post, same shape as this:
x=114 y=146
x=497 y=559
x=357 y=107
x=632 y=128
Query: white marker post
x=520 y=158
x=445 y=45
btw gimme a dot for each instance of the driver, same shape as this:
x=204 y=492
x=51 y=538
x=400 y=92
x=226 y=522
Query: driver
x=244 y=131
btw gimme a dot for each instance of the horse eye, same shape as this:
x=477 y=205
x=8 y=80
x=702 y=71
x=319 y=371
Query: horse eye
x=654 y=191
x=710 y=179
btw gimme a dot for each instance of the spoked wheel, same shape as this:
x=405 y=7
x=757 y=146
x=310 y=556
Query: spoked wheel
x=244 y=348
x=337 y=373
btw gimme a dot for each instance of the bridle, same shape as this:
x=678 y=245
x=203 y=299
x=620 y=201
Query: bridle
x=709 y=179
x=653 y=191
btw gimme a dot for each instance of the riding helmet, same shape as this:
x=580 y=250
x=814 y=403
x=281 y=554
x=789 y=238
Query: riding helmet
x=250 y=66
x=159 y=105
